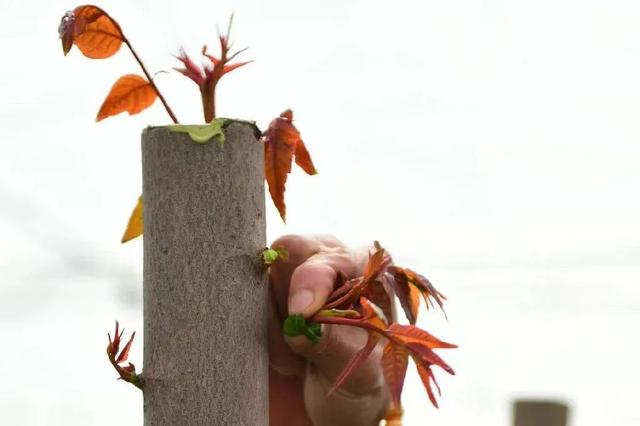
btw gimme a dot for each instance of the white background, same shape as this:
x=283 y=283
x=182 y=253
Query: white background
x=491 y=145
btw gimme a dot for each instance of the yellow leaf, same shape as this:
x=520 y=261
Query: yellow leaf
x=135 y=225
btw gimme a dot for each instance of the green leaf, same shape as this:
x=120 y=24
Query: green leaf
x=295 y=325
x=203 y=133
x=270 y=255
x=313 y=332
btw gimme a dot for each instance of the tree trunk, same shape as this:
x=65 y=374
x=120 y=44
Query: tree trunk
x=540 y=413
x=205 y=294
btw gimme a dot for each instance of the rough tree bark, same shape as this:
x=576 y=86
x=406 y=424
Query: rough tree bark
x=205 y=348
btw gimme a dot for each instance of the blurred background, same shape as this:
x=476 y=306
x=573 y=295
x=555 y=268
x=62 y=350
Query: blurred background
x=490 y=144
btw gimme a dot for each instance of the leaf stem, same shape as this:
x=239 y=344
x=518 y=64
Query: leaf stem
x=153 y=84
x=208 y=95
x=353 y=322
x=357 y=322
x=135 y=379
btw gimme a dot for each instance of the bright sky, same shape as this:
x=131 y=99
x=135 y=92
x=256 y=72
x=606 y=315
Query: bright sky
x=490 y=144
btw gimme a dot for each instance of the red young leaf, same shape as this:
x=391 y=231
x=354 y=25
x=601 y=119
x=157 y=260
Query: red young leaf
x=403 y=341
x=346 y=295
x=424 y=359
x=221 y=66
x=125 y=351
x=378 y=294
x=287 y=114
x=422 y=354
x=355 y=362
x=403 y=292
x=405 y=276
x=126 y=372
x=426 y=375
x=114 y=345
x=395 y=359
x=376 y=289
x=279 y=146
x=90 y=28
x=131 y=93
x=207 y=77
x=377 y=262
x=373 y=314
x=303 y=159
x=341 y=287
x=414 y=303
x=411 y=333
x=281 y=142
x=191 y=69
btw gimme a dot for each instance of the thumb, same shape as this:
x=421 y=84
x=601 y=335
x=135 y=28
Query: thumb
x=311 y=285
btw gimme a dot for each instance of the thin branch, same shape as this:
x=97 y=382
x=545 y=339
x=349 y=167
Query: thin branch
x=354 y=322
x=144 y=69
x=153 y=84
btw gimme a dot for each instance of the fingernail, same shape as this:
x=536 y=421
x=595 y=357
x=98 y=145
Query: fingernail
x=300 y=301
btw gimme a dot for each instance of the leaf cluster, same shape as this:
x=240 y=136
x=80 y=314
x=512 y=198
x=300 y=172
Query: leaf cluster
x=98 y=36
x=118 y=358
x=295 y=325
x=366 y=302
x=271 y=255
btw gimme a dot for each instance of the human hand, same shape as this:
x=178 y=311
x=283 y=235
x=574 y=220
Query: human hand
x=301 y=373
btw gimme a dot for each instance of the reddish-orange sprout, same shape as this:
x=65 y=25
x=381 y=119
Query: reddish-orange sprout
x=352 y=304
x=283 y=144
x=118 y=358
x=208 y=76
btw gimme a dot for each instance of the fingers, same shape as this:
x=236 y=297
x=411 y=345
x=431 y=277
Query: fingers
x=299 y=249
x=311 y=284
x=313 y=281
x=301 y=284
x=342 y=408
x=333 y=352
x=281 y=358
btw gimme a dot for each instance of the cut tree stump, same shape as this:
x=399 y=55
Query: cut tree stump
x=205 y=294
x=539 y=413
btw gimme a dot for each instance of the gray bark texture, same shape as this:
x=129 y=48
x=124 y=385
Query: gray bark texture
x=540 y=413
x=205 y=294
